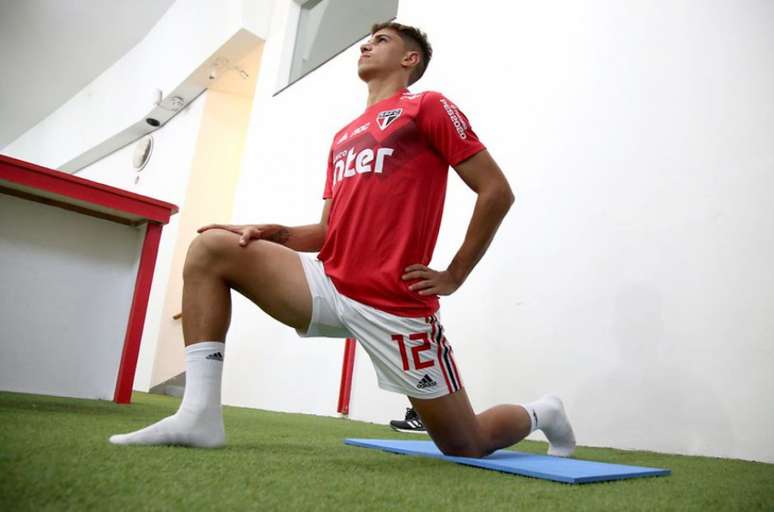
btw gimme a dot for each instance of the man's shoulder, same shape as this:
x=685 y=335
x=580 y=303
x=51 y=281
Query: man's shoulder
x=421 y=97
x=430 y=102
x=412 y=96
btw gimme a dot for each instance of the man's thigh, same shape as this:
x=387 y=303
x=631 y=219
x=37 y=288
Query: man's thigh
x=269 y=274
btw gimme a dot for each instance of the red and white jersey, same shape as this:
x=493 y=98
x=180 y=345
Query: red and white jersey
x=387 y=173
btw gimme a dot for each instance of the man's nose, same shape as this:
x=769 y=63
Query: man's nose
x=365 y=47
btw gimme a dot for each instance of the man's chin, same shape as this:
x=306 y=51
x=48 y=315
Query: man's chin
x=364 y=73
x=367 y=70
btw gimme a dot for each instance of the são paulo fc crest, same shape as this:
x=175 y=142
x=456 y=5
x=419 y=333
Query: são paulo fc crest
x=385 y=119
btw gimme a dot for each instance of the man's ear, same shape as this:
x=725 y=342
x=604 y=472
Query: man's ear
x=411 y=58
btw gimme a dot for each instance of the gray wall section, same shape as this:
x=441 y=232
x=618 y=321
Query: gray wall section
x=67 y=286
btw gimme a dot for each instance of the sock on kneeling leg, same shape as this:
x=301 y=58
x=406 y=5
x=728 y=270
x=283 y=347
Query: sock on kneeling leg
x=548 y=416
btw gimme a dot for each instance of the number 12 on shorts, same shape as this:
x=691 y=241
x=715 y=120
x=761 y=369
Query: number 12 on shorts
x=415 y=350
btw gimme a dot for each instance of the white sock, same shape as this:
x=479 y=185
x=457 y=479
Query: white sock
x=548 y=416
x=199 y=420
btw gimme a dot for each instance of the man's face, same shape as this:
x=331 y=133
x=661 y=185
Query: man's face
x=384 y=53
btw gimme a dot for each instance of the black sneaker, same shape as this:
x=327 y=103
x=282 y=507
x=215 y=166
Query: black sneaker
x=412 y=424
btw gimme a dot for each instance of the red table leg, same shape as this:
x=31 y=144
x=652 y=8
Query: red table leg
x=126 y=369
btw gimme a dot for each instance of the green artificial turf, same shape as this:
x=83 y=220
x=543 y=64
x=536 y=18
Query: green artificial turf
x=54 y=455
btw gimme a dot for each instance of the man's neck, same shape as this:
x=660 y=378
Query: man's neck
x=382 y=88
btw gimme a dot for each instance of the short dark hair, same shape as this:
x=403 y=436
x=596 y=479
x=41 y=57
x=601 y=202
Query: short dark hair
x=414 y=39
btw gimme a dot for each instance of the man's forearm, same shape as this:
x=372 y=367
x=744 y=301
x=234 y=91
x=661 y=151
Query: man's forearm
x=488 y=213
x=308 y=238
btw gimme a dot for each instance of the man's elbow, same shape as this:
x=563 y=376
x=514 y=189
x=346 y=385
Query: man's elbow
x=510 y=197
x=502 y=196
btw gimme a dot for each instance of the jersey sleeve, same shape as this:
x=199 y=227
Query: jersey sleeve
x=328 y=190
x=447 y=129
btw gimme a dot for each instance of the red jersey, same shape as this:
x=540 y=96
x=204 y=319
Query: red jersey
x=387 y=173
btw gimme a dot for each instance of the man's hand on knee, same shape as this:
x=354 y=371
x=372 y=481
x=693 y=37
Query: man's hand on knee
x=250 y=232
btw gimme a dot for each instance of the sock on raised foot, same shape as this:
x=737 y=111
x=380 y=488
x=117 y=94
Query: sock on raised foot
x=548 y=416
x=199 y=420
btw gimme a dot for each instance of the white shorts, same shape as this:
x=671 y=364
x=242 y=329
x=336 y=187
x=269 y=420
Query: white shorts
x=411 y=355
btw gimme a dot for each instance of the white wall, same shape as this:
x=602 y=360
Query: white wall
x=632 y=276
x=188 y=34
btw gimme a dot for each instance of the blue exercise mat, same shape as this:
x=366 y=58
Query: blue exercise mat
x=559 y=469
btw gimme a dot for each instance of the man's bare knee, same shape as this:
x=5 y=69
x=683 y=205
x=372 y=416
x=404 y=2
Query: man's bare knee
x=212 y=249
x=475 y=452
x=471 y=445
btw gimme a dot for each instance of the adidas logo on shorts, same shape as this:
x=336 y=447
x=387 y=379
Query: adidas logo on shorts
x=426 y=382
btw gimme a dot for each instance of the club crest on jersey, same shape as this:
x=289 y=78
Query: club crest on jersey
x=385 y=119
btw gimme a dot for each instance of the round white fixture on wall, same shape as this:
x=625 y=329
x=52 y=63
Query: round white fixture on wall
x=142 y=152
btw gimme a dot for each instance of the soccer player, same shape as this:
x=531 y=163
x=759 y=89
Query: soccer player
x=383 y=200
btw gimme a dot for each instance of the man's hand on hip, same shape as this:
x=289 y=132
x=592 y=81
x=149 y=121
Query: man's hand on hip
x=431 y=282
